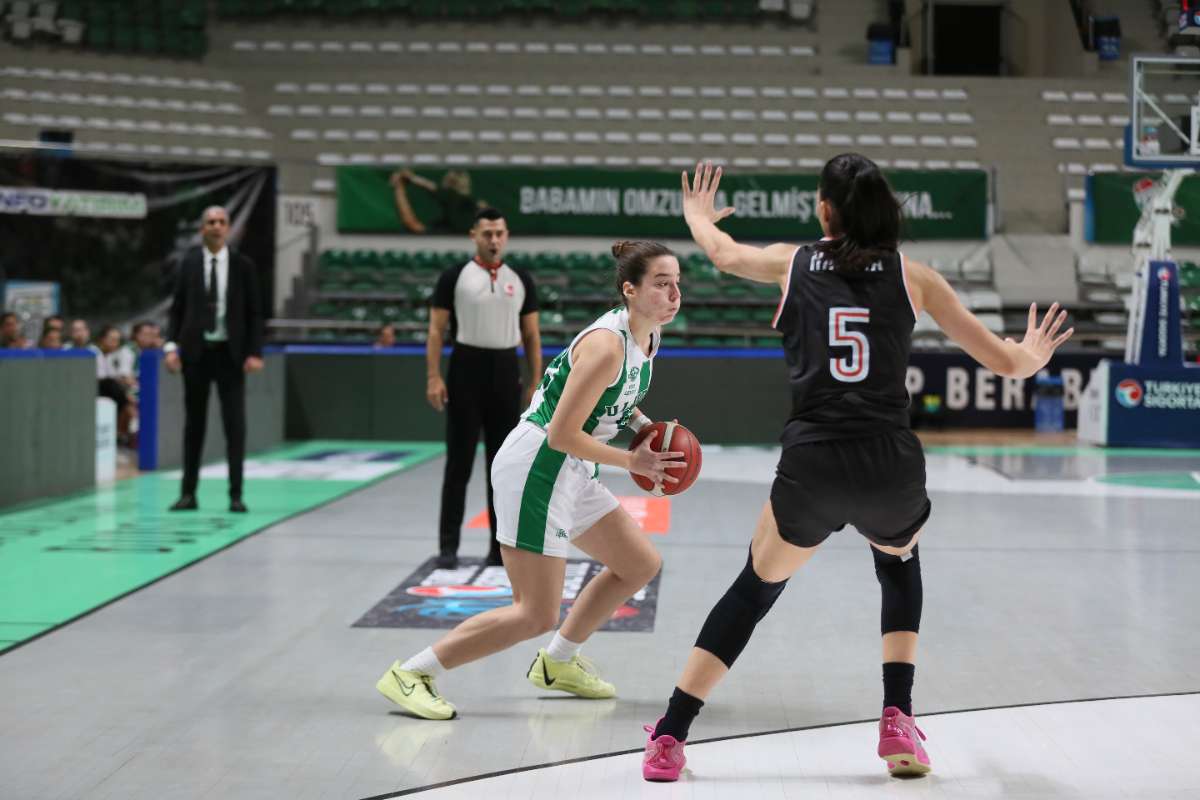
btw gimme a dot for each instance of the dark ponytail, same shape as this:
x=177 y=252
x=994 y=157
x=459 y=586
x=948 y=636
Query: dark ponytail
x=865 y=224
x=632 y=260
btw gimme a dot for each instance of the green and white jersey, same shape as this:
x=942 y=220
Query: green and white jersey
x=615 y=406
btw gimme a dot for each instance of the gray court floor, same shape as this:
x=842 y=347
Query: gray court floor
x=1049 y=577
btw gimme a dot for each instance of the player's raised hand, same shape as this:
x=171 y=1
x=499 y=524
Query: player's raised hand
x=699 y=196
x=1042 y=339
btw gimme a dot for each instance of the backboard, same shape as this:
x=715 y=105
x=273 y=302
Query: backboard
x=1164 y=112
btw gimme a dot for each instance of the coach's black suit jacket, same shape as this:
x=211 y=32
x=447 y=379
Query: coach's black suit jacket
x=243 y=306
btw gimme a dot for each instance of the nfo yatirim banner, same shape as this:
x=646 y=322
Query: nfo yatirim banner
x=111 y=232
x=938 y=204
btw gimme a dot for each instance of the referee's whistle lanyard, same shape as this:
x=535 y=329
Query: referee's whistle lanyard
x=491 y=268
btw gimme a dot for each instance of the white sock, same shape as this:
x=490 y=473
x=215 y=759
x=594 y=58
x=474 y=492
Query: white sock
x=562 y=649
x=425 y=662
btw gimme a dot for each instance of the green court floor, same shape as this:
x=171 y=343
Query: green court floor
x=60 y=559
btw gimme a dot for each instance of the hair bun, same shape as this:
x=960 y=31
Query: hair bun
x=620 y=247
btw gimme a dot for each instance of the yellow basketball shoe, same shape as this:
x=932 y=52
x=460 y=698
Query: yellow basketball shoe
x=415 y=693
x=577 y=676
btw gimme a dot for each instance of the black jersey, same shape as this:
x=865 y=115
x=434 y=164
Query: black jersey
x=846 y=337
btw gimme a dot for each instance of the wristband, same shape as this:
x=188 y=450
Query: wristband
x=637 y=423
x=170 y=347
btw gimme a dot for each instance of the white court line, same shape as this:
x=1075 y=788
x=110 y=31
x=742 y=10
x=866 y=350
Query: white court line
x=1136 y=747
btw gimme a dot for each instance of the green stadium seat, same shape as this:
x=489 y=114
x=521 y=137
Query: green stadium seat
x=577 y=262
x=393 y=282
x=192 y=13
x=195 y=43
x=365 y=258
x=762 y=315
x=98 y=36
x=735 y=315
x=704 y=316
x=420 y=293
x=426 y=8
x=1189 y=274
x=149 y=40
x=72 y=9
x=684 y=10
x=424 y=260
x=674 y=341
x=707 y=341
x=572 y=8
x=767 y=341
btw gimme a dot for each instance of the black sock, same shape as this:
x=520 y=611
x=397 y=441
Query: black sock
x=681 y=710
x=897 y=685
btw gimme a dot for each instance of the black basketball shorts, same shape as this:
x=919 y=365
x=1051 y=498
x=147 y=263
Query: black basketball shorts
x=876 y=484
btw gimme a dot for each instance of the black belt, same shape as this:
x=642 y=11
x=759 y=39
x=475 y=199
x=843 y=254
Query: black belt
x=470 y=350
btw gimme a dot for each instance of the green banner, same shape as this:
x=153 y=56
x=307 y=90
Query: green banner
x=940 y=204
x=1113 y=206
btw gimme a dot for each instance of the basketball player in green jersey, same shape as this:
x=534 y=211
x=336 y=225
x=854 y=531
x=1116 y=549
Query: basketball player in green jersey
x=547 y=495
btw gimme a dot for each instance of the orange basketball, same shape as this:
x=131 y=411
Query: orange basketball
x=670 y=437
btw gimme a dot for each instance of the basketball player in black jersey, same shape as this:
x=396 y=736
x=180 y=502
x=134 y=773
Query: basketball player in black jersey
x=847 y=313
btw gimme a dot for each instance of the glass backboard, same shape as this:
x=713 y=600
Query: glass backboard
x=1164 y=113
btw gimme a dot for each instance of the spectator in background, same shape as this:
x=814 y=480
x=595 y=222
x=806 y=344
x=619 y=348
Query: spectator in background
x=126 y=361
x=11 y=337
x=109 y=383
x=51 y=339
x=81 y=334
x=386 y=335
x=52 y=333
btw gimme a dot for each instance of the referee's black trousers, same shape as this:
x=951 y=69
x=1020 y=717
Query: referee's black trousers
x=484 y=388
x=214 y=364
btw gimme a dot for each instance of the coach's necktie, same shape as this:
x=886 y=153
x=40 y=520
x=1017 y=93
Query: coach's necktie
x=210 y=323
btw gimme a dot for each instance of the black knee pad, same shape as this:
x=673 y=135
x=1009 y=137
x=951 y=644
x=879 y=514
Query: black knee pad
x=900 y=580
x=732 y=620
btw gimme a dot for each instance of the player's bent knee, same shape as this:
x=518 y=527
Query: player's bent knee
x=647 y=570
x=731 y=622
x=536 y=621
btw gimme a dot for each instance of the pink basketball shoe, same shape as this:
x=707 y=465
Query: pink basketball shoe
x=664 y=758
x=900 y=744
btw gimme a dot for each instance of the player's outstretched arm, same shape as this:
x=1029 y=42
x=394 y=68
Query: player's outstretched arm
x=761 y=264
x=930 y=291
x=595 y=364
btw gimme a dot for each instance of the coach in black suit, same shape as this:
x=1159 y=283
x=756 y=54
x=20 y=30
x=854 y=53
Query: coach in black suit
x=216 y=334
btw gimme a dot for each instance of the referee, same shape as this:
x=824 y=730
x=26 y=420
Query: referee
x=489 y=308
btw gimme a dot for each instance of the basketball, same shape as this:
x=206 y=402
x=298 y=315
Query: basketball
x=670 y=437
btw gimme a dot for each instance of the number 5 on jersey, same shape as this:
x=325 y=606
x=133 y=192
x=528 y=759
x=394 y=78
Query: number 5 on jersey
x=855 y=367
